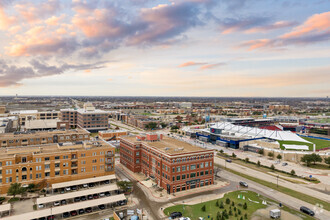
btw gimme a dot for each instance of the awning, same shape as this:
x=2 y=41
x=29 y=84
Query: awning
x=83 y=181
x=295 y=147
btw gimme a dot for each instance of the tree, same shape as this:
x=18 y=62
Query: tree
x=271 y=154
x=239 y=211
x=316 y=158
x=230 y=212
x=227 y=201
x=174 y=127
x=15 y=189
x=233 y=155
x=217 y=203
x=126 y=186
x=233 y=204
x=279 y=156
x=151 y=125
x=327 y=160
x=245 y=206
x=221 y=151
x=261 y=152
x=221 y=205
x=203 y=208
x=293 y=172
x=272 y=167
x=258 y=163
x=163 y=124
x=306 y=159
x=218 y=216
x=247 y=160
x=245 y=216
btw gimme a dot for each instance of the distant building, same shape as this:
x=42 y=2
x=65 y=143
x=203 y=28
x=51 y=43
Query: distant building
x=42 y=137
x=2 y=109
x=8 y=124
x=112 y=134
x=29 y=115
x=55 y=163
x=89 y=118
x=175 y=165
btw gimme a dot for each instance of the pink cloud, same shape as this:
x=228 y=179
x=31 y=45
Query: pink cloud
x=211 y=66
x=5 y=20
x=190 y=63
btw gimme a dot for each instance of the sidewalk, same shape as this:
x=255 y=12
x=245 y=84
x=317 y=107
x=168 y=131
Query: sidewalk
x=156 y=194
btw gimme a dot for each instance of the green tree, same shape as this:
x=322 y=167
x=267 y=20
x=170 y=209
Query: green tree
x=230 y=212
x=218 y=216
x=245 y=206
x=126 y=186
x=163 y=124
x=233 y=204
x=221 y=151
x=227 y=201
x=316 y=158
x=233 y=155
x=241 y=218
x=293 y=172
x=271 y=154
x=245 y=216
x=217 y=203
x=239 y=211
x=203 y=208
x=15 y=189
x=258 y=163
x=225 y=214
x=272 y=167
x=327 y=160
x=221 y=205
x=151 y=125
x=279 y=156
x=306 y=159
x=261 y=152
x=247 y=160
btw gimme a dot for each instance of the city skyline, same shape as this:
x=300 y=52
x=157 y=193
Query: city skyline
x=165 y=48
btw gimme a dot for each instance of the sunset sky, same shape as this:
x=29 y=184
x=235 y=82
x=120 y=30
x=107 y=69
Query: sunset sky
x=165 y=48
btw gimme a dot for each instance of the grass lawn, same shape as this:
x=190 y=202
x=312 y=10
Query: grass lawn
x=195 y=211
x=290 y=192
x=318 y=142
x=252 y=199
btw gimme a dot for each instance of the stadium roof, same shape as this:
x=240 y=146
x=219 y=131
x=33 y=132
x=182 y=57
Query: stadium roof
x=257 y=132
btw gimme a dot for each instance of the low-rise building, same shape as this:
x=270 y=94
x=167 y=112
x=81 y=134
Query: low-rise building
x=175 y=165
x=55 y=163
x=42 y=137
x=112 y=134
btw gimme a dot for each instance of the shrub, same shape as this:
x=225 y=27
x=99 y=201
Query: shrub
x=221 y=205
x=247 y=160
x=279 y=156
x=245 y=206
x=235 y=209
x=272 y=167
x=232 y=203
x=293 y=172
x=271 y=154
x=233 y=155
x=245 y=216
x=261 y=152
x=241 y=218
x=258 y=163
x=221 y=151
x=217 y=203
x=227 y=201
x=230 y=212
x=203 y=208
x=239 y=211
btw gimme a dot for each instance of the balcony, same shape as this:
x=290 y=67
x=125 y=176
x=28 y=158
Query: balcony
x=109 y=169
x=109 y=155
x=74 y=165
x=108 y=162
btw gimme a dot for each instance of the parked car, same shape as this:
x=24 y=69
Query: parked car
x=107 y=194
x=228 y=160
x=307 y=211
x=102 y=194
x=176 y=215
x=63 y=202
x=57 y=203
x=101 y=207
x=244 y=184
x=77 y=199
x=66 y=215
x=91 y=184
x=95 y=196
x=73 y=187
x=81 y=211
x=73 y=213
x=85 y=185
x=83 y=198
x=51 y=217
x=89 y=197
x=40 y=206
x=68 y=189
x=284 y=164
x=42 y=218
x=88 y=210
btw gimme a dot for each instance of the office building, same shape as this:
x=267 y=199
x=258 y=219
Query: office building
x=174 y=165
x=112 y=134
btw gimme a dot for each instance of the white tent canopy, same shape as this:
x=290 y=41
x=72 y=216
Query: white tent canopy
x=257 y=132
x=295 y=147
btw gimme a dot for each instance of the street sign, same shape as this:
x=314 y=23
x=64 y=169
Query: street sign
x=310 y=176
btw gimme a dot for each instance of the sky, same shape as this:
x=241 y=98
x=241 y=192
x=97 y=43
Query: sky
x=259 y=48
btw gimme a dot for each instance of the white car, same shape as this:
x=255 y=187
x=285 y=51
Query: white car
x=57 y=203
x=184 y=218
x=85 y=185
x=40 y=206
x=68 y=189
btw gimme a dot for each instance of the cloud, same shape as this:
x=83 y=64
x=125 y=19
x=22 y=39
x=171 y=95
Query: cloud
x=211 y=66
x=251 y=24
x=315 y=29
x=5 y=20
x=191 y=63
x=12 y=75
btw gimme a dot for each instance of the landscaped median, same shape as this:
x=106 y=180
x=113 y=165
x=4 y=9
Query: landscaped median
x=290 y=192
x=241 y=204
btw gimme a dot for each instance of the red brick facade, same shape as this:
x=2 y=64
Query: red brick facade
x=173 y=172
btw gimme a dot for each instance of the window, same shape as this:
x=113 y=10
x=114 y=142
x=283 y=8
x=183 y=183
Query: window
x=57 y=165
x=137 y=160
x=206 y=172
x=101 y=159
x=183 y=168
x=83 y=162
x=94 y=153
x=192 y=175
x=94 y=168
x=65 y=172
x=206 y=164
x=47 y=174
x=38 y=160
x=47 y=166
x=137 y=153
x=38 y=175
x=173 y=178
x=94 y=161
x=83 y=169
x=102 y=167
x=83 y=155
x=47 y=158
x=65 y=157
x=57 y=157
x=173 y=170
x=23 y=159
x=57 y=173
x=177 y=177
x=177 y=169
x=65 y=164
x=8 y=163
x=192 y=167
x=202 y=165
x=9 y=171
x=202 y=173
x=184 y=176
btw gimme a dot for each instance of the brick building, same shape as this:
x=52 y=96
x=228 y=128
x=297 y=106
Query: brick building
x=112 y=134
x=42 y=137
x=89 y=118
x=175 y=165
x=55 y=163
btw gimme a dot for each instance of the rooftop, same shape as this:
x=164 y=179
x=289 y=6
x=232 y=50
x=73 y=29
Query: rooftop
x=42 y=133
x=169 y=146
x=113 y=131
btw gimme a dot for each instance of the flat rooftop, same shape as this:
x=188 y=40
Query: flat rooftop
x=6 y=152
x=112 y=131
x=170 y=146
x=42 y=133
